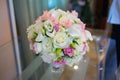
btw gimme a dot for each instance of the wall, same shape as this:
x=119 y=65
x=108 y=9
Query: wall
x=7 y=59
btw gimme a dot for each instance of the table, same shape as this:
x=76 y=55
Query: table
x=69 y=73
x=39 y=70
x=97 y=54
x=34 y=71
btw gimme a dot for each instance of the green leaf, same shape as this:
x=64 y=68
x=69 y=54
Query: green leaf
x=72 y=45
x=60 y=16
x=43 y=30
x=58 y=51
x=75 y=22
x=35 y=35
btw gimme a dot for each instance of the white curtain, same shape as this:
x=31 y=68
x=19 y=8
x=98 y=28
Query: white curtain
x=26 y=11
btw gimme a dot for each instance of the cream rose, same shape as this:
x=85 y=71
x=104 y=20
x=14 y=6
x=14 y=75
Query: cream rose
x=38 y=48
x=47 y=45
x=48 y=26
x=30 y=31
x=39 y=38
x=35 y=28
x=61 y=40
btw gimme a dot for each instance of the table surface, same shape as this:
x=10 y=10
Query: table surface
x=39 y=70
x=69 y=73
x=88 y=69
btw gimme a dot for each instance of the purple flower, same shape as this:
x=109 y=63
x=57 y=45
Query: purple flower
x=69 y=51
x=56 y=27
x=59 y=62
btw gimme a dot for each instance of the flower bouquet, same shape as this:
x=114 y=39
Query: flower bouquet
x=60 y=37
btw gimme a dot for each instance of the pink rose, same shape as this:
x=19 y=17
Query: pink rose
x=69 y=51
x=67 y=23
x=45 y=16
x=54 y=20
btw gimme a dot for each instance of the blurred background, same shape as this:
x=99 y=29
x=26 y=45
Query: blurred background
x=17 y=15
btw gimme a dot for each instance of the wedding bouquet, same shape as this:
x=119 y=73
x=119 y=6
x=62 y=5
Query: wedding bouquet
x=60 y=37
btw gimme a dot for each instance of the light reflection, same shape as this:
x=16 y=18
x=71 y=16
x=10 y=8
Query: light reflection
x=75 y=67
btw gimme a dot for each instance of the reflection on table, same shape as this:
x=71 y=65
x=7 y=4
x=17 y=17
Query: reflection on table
x=97 y=55
x=69 y=73
x=88 y=70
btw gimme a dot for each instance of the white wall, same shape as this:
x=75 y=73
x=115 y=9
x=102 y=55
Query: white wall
x=7 y=59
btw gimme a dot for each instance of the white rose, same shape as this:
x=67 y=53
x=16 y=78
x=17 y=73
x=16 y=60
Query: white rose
x=82 y=47
x=79 y=47
x=48 y=58
x=37 y=47
x=61 y=40
x=34 y=28
x=39 y=37
x=48 y=26
x=63 y=19
x=38 y=27
x=76 y=31
x=62 y=12
x=30 y=31
x=50 y=34
x=47 y=45
x=88 y=35
x=71 y=17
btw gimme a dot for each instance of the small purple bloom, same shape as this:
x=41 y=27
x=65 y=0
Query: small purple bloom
x=56 y=27
x=59 y=62
x=69 y=51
